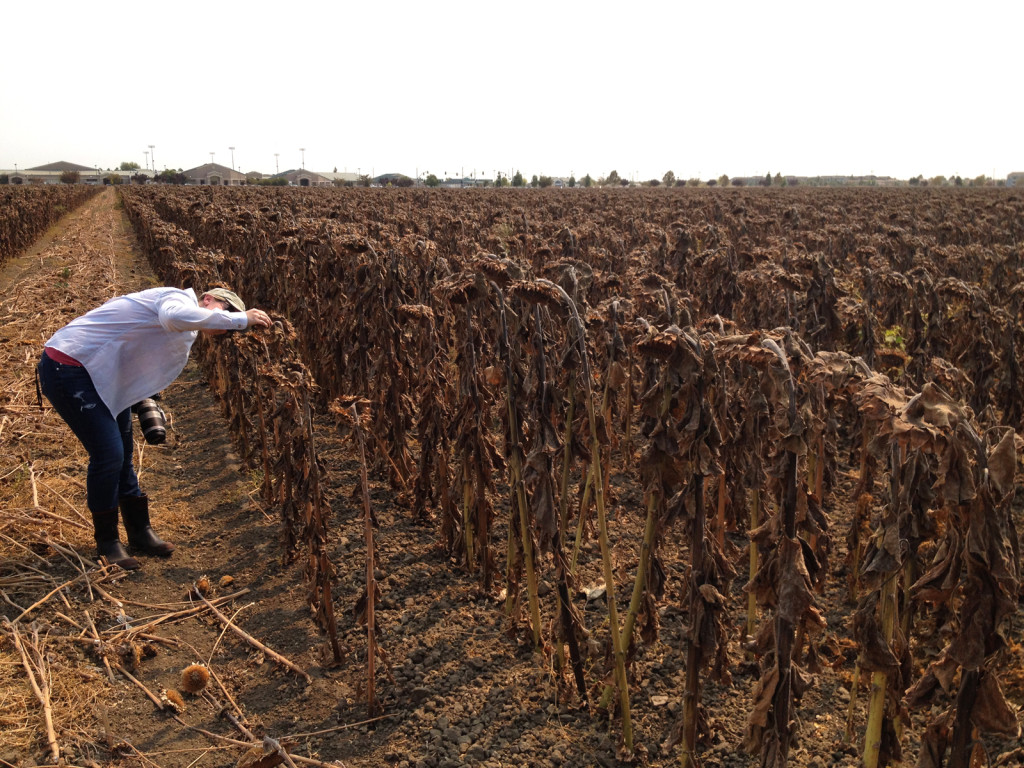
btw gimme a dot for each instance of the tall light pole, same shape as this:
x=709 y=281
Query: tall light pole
x=277 y=167
x=152 y=155
x=232 y=158
x=303 y=151
x=146 y=153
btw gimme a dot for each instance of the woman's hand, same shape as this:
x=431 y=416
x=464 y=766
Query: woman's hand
x=257 y=318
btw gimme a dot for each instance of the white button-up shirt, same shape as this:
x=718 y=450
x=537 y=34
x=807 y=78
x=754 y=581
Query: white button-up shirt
x=135 y=345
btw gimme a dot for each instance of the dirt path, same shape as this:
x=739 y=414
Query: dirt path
x=200 y=500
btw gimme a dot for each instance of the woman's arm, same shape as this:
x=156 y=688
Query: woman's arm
x=179 y=313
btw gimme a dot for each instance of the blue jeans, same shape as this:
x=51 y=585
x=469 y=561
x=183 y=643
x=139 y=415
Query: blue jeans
x=111 y=474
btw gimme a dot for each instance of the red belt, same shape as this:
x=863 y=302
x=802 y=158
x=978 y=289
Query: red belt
x=59 y=357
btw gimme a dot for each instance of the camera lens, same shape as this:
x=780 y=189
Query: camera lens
x=152 y=421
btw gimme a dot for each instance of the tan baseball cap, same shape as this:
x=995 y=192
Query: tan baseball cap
x=230 y=297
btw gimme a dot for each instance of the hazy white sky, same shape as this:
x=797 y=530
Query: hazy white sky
x=550 y=87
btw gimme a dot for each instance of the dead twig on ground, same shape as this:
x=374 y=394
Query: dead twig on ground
x=69 y=620
x=73 y=481
x=267 y=742
x=344 y=727
x=33 y=660
x=47 y=596
x=223 y=711
x=54 y=516
x=32 y=481
x=9 y=601
x=139 y=754
x=99 y=646
x=149 y=694
x=87 y=524
x=21 y=546
x=254 y=642
x=174 y=615
x=173 y=641
x=209 y=659
x=77 y=561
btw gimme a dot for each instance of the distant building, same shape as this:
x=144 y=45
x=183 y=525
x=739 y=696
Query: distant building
x=467 y=181
x=51 y=173
x=304 y=178
x=1015 y=179
x=340 y=178
x=214 y=175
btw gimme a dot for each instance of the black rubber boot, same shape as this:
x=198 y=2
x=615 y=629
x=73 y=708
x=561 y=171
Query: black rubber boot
x=108 y=544
x=141 y=536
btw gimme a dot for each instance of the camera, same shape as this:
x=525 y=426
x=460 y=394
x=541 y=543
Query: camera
x=152 y=421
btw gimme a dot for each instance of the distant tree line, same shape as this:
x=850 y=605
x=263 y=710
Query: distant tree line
x=613 y=179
